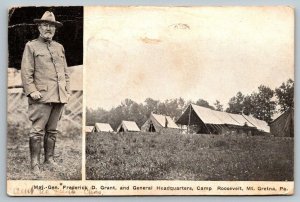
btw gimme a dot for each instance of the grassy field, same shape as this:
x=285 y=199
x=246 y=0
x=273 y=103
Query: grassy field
x=67 y=154
x=146 y=156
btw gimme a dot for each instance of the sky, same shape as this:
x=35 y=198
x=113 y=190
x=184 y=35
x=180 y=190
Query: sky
x=190 y=52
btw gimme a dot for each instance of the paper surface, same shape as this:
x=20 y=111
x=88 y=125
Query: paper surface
x=152 y=111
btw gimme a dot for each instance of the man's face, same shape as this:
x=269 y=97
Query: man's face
x=47 y=30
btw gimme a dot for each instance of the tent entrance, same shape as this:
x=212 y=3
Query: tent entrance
x=151 y=128
x=121 y=129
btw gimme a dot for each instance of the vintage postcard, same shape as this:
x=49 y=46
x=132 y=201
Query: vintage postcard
x=112 y=101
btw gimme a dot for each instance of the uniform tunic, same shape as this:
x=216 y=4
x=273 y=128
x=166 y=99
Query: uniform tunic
x=44 y=69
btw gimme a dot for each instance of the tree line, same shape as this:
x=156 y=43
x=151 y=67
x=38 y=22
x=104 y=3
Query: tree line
x=262 y=104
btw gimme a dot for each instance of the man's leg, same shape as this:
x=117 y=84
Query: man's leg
x=39 y=115
x=51 y=132
x=35 y=151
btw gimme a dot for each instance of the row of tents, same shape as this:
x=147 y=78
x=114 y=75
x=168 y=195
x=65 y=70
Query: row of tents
x=155 y=123
x=197 y=119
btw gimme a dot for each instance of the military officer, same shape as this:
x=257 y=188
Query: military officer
x=46 y=82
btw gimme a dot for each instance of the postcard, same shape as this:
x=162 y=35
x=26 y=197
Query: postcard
x=113 y=101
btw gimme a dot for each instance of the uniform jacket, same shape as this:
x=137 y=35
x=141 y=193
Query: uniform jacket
x=44 y=69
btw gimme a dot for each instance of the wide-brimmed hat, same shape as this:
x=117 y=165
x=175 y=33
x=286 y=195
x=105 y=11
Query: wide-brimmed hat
x=48 y=17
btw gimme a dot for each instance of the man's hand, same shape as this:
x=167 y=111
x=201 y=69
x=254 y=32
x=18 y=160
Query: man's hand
x=36 y=95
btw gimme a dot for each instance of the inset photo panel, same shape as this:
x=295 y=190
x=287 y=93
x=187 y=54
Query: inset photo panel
x=45 y=93
x=194 y=97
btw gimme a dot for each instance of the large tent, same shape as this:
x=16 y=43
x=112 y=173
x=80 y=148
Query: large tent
x=160 y=123
x=205 y=120
x=128 y=126
x=283 y=126
x=103 y=127
x=259 y=124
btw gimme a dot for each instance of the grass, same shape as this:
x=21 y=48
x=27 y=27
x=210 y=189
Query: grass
x=68 y=155
x=151 y=156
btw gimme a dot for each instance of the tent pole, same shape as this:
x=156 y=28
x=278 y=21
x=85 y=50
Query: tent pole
x=188 y=128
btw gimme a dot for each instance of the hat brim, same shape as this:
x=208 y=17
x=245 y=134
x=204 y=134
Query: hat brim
x=56 y=23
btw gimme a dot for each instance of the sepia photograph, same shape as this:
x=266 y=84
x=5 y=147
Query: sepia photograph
x=45 y=93
x=189 y=93
x=149 y=100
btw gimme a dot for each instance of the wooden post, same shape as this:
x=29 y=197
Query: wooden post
x=188 y=128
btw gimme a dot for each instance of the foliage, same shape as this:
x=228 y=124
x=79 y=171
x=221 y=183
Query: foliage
x=204 y=103
x=264 y=106
x=285 y=95
x=260 y=104
x=153 y=156
x=218 y=106
x=236 y=104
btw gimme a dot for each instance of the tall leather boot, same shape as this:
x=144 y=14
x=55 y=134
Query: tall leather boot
x=49 y=145
x=35 y=152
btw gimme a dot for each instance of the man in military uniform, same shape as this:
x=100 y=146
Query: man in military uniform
x=45 y=79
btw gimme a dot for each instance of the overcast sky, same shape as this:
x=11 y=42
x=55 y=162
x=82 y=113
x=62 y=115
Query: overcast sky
x=202 y=52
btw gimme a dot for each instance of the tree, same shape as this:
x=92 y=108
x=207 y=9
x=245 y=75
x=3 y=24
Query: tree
x=236 y=104
x=259 y=104
x=161 y=109
x=248 y=105
x=285 y=95
x=263 y=105
x=218 y=105
x=136 y=114
x=94 y=116
x=151 y=105
x=181 y=103
x=116 y=115
x=172 y=107
x=204 y=103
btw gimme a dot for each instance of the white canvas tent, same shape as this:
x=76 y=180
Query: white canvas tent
x=259 y=124
x=241 y=120
x=160 y=123
x=128 y=126
x=89 y=129
x=216 y=122
x=103 y=127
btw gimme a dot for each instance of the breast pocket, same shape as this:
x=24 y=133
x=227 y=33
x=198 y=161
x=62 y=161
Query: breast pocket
x=41 y=58
x=61 y=58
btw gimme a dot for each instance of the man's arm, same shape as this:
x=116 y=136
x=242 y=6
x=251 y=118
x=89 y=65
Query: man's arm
x=27 y=71
x=67 y=73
